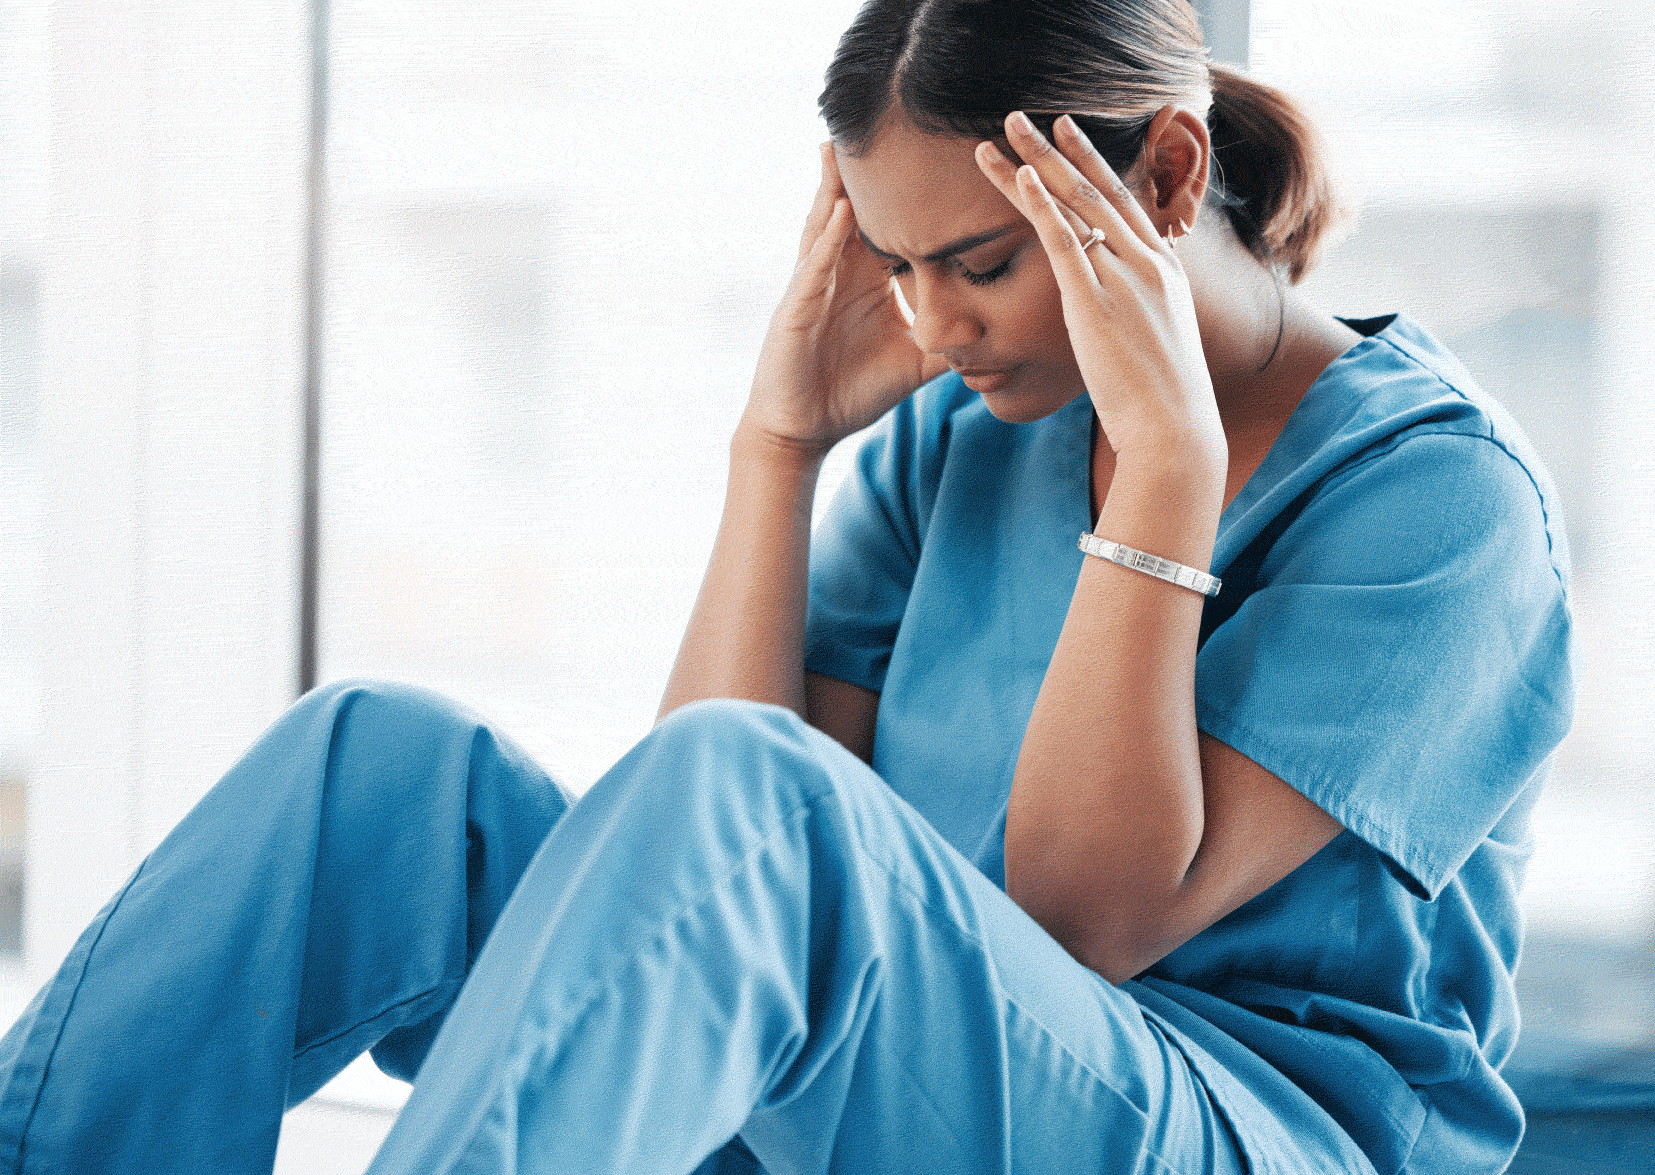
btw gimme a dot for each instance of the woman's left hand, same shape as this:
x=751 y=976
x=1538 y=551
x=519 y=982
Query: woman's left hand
x=1126 y=300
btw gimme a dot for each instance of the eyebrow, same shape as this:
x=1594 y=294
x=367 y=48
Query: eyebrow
x=963 y=245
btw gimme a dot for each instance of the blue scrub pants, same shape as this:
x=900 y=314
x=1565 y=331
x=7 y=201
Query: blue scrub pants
x=739 y=948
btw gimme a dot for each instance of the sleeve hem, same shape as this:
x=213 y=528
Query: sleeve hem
x=1424 y=877
x=866 y=677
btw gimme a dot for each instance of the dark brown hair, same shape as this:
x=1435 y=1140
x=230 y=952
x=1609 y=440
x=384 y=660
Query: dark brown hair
x=958 y=67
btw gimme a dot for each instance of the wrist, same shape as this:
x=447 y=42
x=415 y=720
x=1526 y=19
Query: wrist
x=753 y=444
x=1165 y=502
x=1180 y=472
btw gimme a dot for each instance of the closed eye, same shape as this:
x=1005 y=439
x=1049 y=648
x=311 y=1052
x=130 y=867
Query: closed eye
x=899 y=268
x=983 y=279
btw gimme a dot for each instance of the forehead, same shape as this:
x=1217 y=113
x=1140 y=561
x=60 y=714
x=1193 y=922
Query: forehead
x=913 y=193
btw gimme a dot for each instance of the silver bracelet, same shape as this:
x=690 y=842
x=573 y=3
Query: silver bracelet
x=1185 y=577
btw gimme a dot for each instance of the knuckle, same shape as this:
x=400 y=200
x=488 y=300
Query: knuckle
x=1106 y=303
x=1085 y=191
x=1162 y=273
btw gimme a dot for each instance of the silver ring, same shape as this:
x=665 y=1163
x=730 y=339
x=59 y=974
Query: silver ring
x=1095 y=239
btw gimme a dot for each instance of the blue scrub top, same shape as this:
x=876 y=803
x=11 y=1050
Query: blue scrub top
x=1392 y=639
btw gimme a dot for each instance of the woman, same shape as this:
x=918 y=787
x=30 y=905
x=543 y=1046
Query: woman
x=1030 y=858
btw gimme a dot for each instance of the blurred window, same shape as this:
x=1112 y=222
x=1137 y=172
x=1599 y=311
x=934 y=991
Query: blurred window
x=556 y=237
x=24 y=29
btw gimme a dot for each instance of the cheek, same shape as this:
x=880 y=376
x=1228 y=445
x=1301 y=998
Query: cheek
x=1036 y=310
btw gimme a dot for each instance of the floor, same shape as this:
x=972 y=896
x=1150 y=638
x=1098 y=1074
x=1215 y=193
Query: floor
x=326 y=1138
x=337 y=1131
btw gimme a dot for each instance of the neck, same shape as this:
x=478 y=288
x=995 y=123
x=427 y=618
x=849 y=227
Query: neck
x=1265 y=344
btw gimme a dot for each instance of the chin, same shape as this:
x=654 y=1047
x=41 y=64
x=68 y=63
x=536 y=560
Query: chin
x=1024 y=409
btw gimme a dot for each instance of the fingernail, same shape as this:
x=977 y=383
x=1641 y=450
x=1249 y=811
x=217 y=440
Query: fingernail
x=1069 y=125
x=1022 y=123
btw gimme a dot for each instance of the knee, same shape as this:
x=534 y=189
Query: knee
x=719 y=721
x=381 y=729
x=389 y=750
x=738 y=746
x=357 y=750
x=396 y=704
x=726 y=710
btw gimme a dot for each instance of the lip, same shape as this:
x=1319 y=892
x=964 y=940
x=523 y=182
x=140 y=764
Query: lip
x=985 y=379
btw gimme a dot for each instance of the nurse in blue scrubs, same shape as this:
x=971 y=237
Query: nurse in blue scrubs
x=1130 y=775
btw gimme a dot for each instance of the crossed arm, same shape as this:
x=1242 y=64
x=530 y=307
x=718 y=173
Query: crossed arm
x=1120 y=857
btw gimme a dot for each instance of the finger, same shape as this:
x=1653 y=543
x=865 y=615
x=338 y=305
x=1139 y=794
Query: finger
x=829 y=245
x=1003 y=174
x=1105 y=206
x=1071 y=264
x=811 y=288
x=1082 y=230
x=822 y=207
x=1074 y=144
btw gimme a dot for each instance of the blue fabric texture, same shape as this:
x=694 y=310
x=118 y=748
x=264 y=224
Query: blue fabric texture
x=1392 y=639
x=740 y=951
x=328 y=894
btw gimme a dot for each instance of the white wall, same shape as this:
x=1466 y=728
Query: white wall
x=169 y=314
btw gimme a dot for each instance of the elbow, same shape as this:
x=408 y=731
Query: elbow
x=1109 y=951
x=1116 y=960
x=1116 y=931
x=1117 y=921
x=1118 y=944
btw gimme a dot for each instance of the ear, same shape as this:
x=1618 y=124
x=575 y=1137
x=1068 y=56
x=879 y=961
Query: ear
x=1170 y=173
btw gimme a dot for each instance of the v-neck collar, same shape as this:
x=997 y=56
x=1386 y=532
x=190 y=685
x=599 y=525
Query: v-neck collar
x=1279 y=459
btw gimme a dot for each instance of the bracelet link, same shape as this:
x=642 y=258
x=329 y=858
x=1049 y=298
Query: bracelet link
x=1177 y=573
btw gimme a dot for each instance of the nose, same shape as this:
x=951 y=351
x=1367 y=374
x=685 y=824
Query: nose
x=943 y=321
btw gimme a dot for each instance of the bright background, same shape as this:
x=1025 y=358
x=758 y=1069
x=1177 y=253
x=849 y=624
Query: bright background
x=553 y=234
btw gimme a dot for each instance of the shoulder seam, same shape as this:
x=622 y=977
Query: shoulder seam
x=1419 y=432
x=1402 y=347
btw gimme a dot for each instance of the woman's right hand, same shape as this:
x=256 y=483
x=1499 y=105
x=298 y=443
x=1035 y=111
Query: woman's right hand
x=837 y=356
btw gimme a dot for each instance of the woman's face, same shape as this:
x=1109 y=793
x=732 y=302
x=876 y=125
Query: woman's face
x=991 y=307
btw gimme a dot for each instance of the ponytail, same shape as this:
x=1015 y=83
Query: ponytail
x=1271 y=171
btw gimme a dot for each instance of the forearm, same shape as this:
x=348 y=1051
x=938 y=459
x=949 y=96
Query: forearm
x=1106 y=809
x=745 y=637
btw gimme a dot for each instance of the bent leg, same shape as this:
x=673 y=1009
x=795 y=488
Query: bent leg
x=330 y=891
x=740 y=928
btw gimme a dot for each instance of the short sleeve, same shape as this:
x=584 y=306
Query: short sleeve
x=1405 y=662
x=864 y=551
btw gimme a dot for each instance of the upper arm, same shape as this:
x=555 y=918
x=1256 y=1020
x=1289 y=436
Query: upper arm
x=842 y=711
x=1405 y=661
x=1256 y=830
